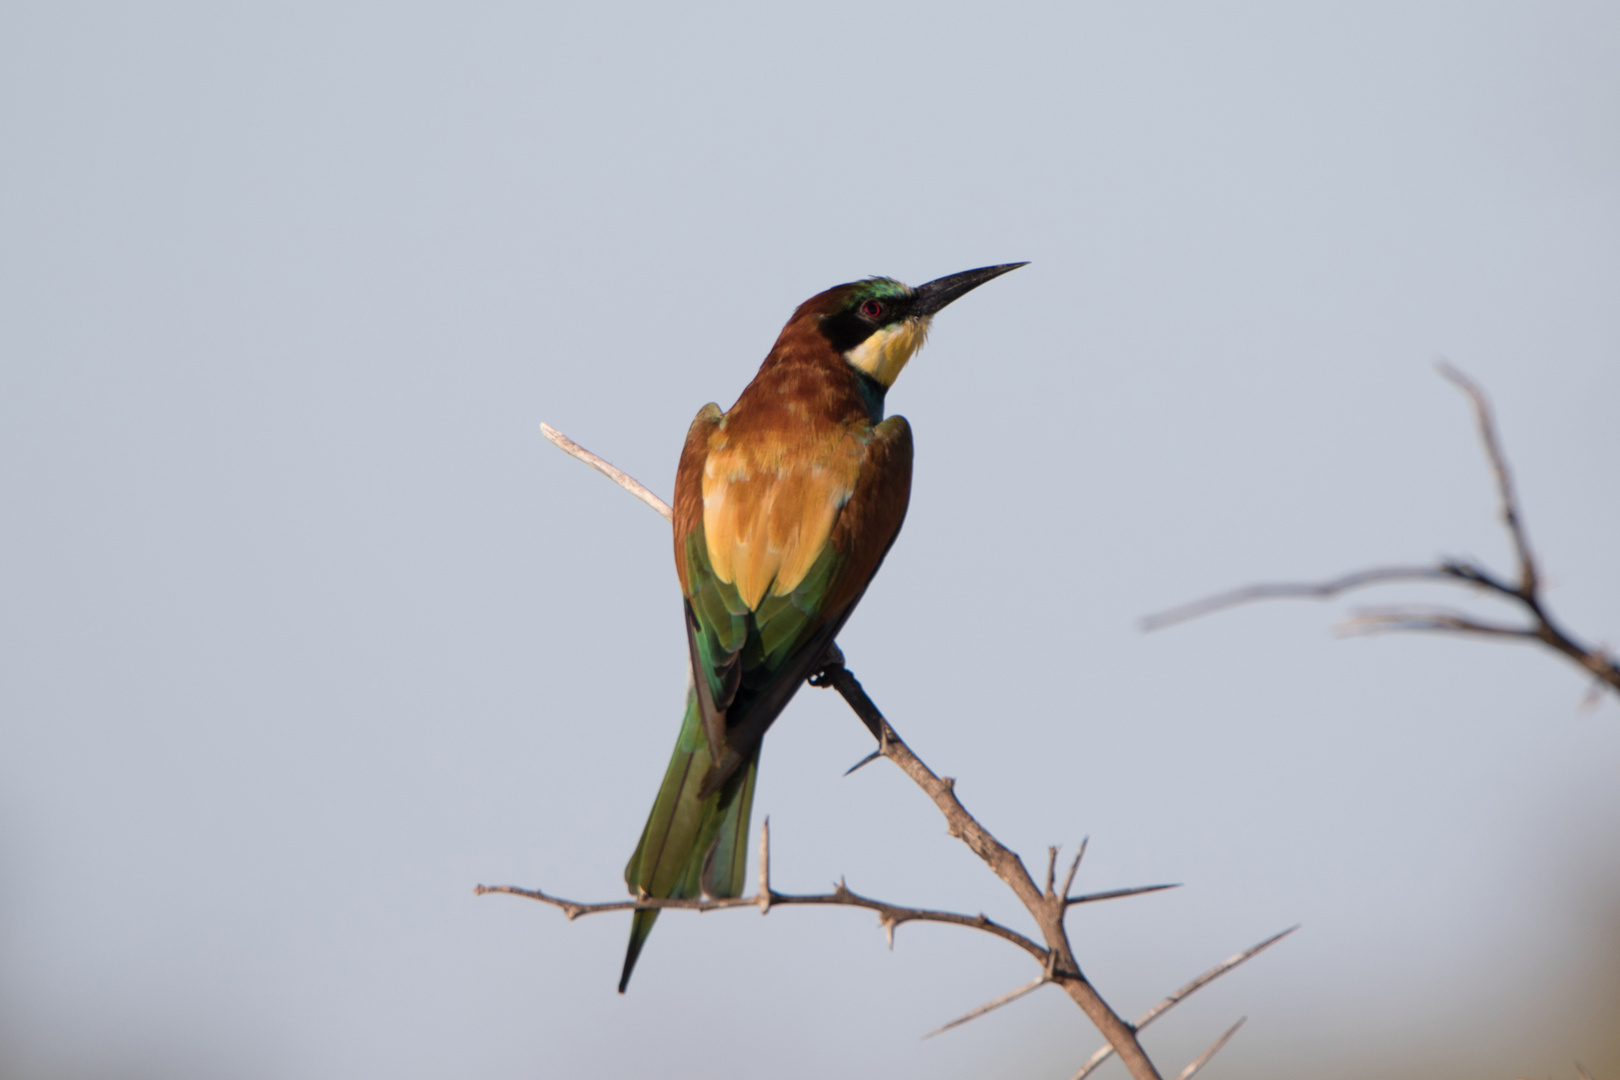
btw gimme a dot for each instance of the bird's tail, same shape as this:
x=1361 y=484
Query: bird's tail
x=691 y=846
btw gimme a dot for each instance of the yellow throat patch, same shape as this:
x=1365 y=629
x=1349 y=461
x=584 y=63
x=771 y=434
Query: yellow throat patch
x=884 y=353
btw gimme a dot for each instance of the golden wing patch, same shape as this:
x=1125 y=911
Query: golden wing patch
x=769 y=507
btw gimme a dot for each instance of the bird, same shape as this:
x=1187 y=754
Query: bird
x=785 y=506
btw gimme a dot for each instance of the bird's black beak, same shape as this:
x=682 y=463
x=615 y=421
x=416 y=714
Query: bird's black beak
x=936 y=294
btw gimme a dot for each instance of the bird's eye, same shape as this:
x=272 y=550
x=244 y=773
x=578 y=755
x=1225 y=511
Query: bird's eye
x=872 y=309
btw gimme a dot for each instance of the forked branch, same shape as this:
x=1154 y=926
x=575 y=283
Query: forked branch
x=1526 y=594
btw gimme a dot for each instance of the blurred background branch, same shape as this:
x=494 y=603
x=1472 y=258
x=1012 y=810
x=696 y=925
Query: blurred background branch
x=1525 y=593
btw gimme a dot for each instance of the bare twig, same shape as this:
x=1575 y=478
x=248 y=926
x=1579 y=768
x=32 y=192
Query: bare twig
x=889 y=915
x=764 y=896
x=1602 y=665
x=1210 y=976
x=607 y=469
x=990 y=1006
x=1322 y=590
x=1203 y=1059
x=1435 y=620
x=1511 y=518
x=1181 y=995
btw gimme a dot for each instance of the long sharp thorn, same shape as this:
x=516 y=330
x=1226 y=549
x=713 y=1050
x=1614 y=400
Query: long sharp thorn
x=1203 y=1059
x=1115 y=894
x=1074 y=867
x=867 y=760
x=1092 y=1062
x=989 y=1006
x=1211 y=975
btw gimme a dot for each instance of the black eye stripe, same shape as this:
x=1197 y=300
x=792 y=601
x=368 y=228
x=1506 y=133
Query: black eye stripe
x=848 y=327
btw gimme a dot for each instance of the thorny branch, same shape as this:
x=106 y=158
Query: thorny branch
x=1526 y=593
x=889 y=915
x=1047 y=909
x=1048 y=906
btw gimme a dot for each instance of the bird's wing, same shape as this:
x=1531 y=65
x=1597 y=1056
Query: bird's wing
x=716 y=617
x=753 y=644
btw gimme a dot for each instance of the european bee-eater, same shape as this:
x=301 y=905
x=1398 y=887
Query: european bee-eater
x=785 y=506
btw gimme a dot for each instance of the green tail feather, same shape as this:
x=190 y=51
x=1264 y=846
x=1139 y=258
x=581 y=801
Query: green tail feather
x=690 y=845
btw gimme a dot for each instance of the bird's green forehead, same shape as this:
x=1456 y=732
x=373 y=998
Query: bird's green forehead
x=878 y=288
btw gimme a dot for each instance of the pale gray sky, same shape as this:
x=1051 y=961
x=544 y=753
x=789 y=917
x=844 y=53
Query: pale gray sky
x=305 y=630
